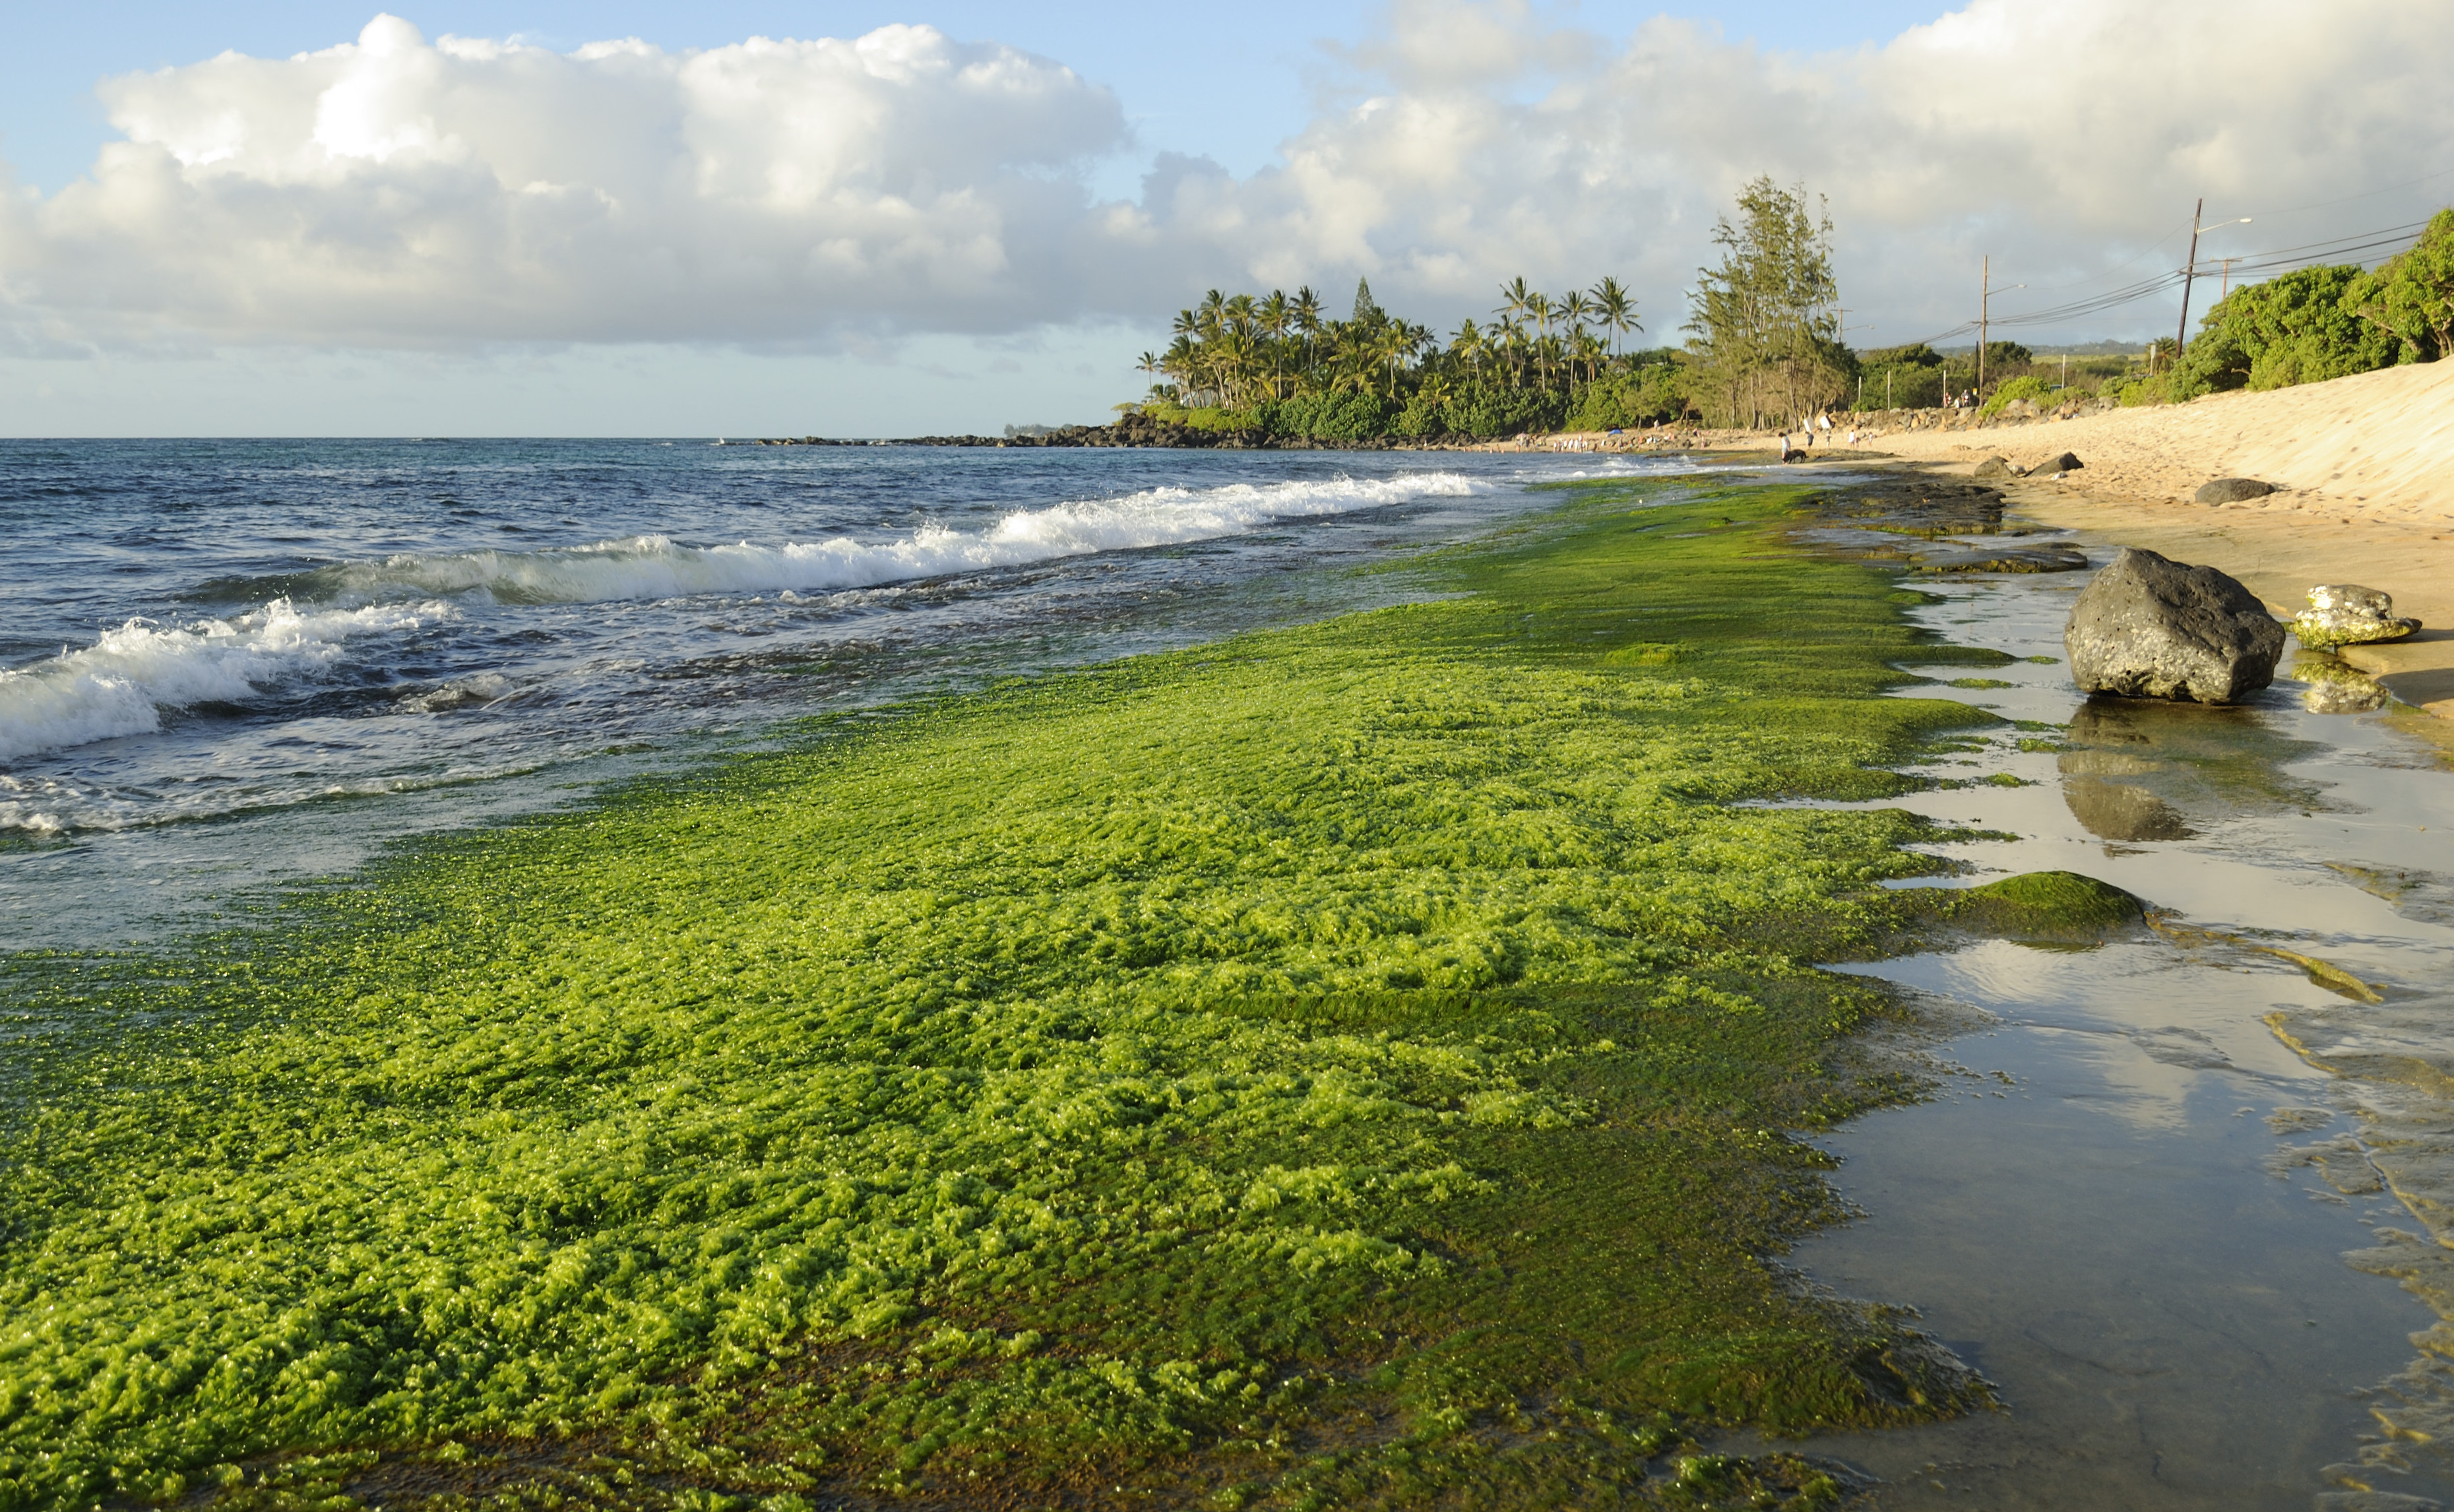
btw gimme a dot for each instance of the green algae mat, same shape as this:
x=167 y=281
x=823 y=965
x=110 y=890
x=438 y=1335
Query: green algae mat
x=1341 y=1066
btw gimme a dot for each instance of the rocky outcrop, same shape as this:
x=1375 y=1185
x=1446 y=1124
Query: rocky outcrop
x=2233 y=490
x=2348 y=615
x=2146 y=627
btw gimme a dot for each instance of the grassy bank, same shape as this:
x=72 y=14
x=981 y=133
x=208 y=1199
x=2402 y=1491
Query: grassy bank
x=1334 y=1066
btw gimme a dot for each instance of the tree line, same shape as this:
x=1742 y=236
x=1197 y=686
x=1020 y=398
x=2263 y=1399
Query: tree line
x=1764 y=346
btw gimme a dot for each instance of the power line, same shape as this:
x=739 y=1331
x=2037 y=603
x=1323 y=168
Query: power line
x=2280 y=259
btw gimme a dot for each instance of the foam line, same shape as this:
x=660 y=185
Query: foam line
x=654 y=567
x=120 y=684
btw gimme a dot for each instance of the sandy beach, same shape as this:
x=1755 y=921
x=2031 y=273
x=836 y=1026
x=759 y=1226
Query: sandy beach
x=2363 y=469
x=2364 y=494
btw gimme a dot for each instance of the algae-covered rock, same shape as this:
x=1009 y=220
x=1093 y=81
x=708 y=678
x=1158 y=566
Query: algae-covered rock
x=2348 y=615
x=2061 y=907
x=2147 y=627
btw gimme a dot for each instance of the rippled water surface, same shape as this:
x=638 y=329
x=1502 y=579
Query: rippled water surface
x=229 y=662
x=2167 y=1198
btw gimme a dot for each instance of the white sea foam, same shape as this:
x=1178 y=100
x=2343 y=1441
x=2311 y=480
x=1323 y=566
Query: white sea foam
x=120 y=684
x=654 y=567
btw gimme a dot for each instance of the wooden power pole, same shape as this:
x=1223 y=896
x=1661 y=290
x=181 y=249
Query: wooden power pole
x=2182 y=337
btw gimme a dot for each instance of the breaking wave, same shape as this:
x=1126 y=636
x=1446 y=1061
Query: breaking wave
x=120 y=684
x=656 y=567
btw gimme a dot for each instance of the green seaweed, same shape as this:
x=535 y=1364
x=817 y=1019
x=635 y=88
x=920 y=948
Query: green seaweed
x=2062 y=907
x=1339 y=1065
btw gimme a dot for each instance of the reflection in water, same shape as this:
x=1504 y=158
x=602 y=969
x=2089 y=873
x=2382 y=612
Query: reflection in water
x=2140 y=769
x=2136 y=1221
x=2335 y=686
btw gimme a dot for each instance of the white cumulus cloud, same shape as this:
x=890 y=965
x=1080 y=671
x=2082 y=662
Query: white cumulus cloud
x=395 y=192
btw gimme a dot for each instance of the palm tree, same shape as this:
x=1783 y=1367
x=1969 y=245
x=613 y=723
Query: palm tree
x=1305 y=309
x=1470 y=344
x=1588 y=350
x=1274 y=316
x=1538 y=306
x=1617 y=309
x=1516 y=299
x=1149 y=366
x=1573 y=309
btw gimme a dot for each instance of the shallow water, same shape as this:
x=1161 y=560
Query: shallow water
x=229 y=663
x=2131 y=1206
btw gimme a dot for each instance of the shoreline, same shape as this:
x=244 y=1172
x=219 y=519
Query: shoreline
x=1359 y=1008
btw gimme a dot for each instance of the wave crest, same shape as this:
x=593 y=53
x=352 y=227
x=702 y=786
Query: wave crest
x=120 y=684
x=656 y=567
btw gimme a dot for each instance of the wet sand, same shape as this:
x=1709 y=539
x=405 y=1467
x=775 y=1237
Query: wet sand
x=2280 y=555
x=2164 y=1199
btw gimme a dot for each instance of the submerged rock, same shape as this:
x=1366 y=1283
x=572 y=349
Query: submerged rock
x=2052 y=556
x=2058 y=907
x=2233 y=490
x=2348 y=615
x=2147 y=627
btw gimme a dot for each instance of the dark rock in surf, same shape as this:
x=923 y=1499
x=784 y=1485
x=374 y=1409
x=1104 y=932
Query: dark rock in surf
x=2150 y=628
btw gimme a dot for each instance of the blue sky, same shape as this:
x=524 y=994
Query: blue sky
x=931 y=233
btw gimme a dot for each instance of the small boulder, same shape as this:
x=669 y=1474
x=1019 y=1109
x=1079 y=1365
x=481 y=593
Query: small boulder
x=2233 y=490
x=1997 y=466
x=2067 y=462
x=2147 y=627
x=2348 y=615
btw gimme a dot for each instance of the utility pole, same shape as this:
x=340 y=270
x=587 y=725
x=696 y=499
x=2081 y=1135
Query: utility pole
x=2182 y=337
x=1985 y=300
x=2227 y=276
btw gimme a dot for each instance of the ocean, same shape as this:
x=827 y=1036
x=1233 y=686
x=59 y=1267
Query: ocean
x=227 y=665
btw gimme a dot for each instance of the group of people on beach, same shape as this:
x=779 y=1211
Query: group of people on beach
x=1820 y=425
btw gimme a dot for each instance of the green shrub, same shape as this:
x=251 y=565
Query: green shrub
x=1220 y=418
x=2411 y=297
x=1490 y=408
x=1333 y=417
x=2297 y=328
x=1624 y=400
x=2027 y=386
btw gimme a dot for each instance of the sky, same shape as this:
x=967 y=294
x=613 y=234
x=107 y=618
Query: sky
x=905 y=216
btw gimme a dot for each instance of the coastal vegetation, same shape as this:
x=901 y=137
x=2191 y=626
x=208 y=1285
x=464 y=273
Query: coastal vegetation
x=1278 y=366
x=1346 y=1065
x=1764 y=347
x=2319 y=323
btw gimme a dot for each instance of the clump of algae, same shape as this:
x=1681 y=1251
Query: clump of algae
x=1340 y=1065
x=2056 y=906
